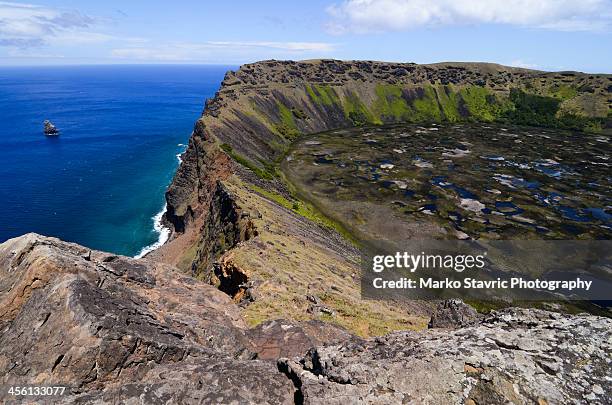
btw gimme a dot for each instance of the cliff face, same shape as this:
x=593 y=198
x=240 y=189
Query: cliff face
x=263 y=107
x=203 y=163
x=119 y=330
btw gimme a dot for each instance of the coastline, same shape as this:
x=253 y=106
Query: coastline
x=102 y=163
x=179 y=156
x=158 y=225
x=164 y=234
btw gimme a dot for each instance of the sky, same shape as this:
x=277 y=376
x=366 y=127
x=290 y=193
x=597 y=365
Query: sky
x=538 y=34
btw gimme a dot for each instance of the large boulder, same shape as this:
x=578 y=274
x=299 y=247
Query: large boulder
x=279 y=338
x=453 y=314
x=205 y=381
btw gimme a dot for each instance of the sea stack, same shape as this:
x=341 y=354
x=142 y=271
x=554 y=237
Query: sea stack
x=50 y=129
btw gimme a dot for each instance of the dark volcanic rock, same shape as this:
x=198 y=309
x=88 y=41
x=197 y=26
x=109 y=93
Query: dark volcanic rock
x=204 y=164
x=453 y=314
x=49 y=128
x=209 y=381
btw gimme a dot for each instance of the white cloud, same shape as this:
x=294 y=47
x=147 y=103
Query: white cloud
x=31 y=53
x=28 y=25
x=229 y=51
x=388 y=15
x=28 y=29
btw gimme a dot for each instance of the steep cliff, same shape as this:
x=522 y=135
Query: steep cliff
x=263 y=107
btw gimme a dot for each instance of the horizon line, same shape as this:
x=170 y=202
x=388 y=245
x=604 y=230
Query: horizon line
x=239 y=64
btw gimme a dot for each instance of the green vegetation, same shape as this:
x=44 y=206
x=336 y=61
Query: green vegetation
x=286 y=127
x=481 y=104
x=449 y=102
x=570 y=307
x=593 y=125
x=323 y=95
x=390 y=105
x=270 y=167
x=303 y=209
x=573 y=121
x=358 y=317
x=279 y=147
x=299 y=114
x=531 y=109
x=563 y=92
x=357 y=112
x=435 y=103
x=427 y=107
x=267 y=173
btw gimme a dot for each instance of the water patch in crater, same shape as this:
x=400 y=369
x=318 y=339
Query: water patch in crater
x=482 y=181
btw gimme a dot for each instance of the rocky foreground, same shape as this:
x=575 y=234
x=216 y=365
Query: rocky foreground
x=119 y=330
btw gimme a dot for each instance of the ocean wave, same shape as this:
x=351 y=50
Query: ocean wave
x=164 y=234
x=179 y=156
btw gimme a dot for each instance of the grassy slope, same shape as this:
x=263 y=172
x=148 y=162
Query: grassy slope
x=438 y=103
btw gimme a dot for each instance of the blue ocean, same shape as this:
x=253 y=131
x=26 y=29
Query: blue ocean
x=101 y=183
